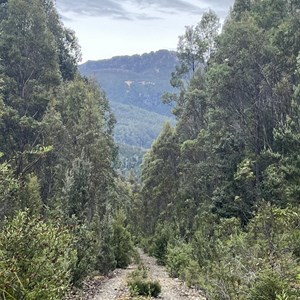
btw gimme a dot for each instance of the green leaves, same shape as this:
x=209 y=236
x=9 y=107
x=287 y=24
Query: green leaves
x=35 y=258
x=77 y=189
x=121 y=242
x=245 y=170
x=159 y=175
x=27 y=46
x=193 y=51
x=9 y=187
x=196 y=45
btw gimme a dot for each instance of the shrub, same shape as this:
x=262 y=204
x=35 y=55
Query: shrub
x=178 y=258
x=191 y=274
x=270 y=286
x=142 y=287
x=106 y=260
x=139 y=284
x=35 y=259
x=141 y=272
x=163 y=236
x=9 y=190
x=86 y=248
x=258 y=263
x=121 y=242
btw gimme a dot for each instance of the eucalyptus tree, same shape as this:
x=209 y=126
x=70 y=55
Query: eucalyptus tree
x=160 y=175
x=193 y=51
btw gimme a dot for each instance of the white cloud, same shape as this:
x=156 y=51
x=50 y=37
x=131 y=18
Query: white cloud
x=107 y=28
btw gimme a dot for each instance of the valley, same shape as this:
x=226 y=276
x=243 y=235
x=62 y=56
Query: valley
x=134 y=86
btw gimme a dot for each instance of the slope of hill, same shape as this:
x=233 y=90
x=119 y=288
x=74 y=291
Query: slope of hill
x=134 y=86
x=138 y=80
x=136 y=126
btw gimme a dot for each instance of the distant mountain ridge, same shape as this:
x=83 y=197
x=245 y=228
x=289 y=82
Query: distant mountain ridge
x=137 y=63
x=138 y=80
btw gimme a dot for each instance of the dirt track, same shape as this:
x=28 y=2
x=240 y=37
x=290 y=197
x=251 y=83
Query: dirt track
x=172 y=289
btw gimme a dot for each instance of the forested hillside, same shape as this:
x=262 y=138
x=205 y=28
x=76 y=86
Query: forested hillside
x=62 y=207
x=219 y=203
x=135 y=86
x=138 y=80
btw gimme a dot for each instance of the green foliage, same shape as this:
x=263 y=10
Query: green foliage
x=282 y=174
x=193 y=51
x=229 y=262
x=141 y=271
x=270 y=286
x=130 y=160
x=9 y=187
x=24 y=31
x=178 y=259
x=77 y=188
x=195 y=46
x=86 y=115
x=86 y=247
x=121 y=240
x=164 y=234
x=159 y=176
x=32 y=42
x=105 y=260
x=136 y=126
x=240 y=8
x=141 y=287
x=36 y=258
x=140 y=284
x=245 y=170
x=229 y=183
x=56 y=161
x=159 y=247
x=30 y=195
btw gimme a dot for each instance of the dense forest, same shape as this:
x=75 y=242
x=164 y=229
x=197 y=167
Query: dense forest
x=218 y=204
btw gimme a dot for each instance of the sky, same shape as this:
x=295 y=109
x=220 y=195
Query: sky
x=107 y=28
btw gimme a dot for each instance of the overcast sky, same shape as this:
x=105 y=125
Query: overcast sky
x=107 y=28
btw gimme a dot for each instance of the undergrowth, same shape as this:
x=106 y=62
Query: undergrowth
x=140 y=284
